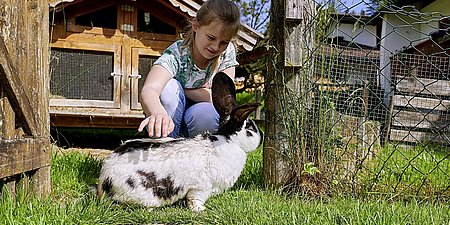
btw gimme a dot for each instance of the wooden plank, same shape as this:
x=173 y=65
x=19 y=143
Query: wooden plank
x=78 y=40
x=125 y=92
x=82 y=31
x=17 y=96
x=414 y=85
x=40 y=181
x=84 y=46
x=95 y=112
x=420 y=102
x=7 y=117
x=294 y=10
x=419 y=137
x=81 y=103
x=1 y=112
x=93 y=6
x=118 y=74
x=134 y=81
x=293 y=50
x=22 y=155
x=403 y=118
x=75 y=32
x=96 y=122
x=147 y=51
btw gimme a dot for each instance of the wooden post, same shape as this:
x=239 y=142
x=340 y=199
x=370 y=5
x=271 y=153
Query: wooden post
x=24 y=86
x=288 y=41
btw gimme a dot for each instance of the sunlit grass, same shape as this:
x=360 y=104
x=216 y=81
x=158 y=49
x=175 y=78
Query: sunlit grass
x=248 y=202
x=421 y=171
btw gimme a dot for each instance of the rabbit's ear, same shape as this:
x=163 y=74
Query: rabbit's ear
x=237 y=118
x=242 y=112
x=223 y=95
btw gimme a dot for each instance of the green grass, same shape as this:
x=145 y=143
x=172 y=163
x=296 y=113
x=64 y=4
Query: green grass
x=248 y=202
x=414 y=171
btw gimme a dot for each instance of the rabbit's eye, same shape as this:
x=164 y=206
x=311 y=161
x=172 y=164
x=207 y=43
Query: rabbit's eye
x=251 y=126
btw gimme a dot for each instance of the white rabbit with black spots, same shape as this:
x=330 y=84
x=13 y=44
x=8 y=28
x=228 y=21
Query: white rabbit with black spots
x=158 y=172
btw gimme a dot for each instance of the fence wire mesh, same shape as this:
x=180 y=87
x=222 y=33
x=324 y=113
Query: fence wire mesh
x=379 y=121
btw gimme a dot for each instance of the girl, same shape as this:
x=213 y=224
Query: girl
x=176 y=94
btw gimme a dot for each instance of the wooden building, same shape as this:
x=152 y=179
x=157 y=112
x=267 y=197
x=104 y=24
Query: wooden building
x=102 y=50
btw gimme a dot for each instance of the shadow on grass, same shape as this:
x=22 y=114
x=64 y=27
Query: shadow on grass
x=74 y=172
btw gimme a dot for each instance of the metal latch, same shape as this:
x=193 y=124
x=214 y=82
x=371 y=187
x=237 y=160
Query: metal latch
x=113 y=74
x=138 y=76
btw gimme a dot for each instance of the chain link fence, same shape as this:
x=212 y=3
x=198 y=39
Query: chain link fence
x=378 y=103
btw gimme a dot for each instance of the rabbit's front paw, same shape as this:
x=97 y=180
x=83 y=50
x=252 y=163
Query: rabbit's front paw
x=196 y=205
x=198 y=208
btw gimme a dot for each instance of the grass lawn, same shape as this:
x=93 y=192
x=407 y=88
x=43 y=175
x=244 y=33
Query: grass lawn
x=414 y=170
x=72 y=201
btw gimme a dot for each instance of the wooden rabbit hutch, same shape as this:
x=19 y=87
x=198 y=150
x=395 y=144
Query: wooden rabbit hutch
x=102 y=50
x=24 y=118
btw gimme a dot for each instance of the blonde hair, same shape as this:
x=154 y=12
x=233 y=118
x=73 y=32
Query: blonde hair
x=224 y=11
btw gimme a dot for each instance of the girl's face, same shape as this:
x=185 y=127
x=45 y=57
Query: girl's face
x=210 y=40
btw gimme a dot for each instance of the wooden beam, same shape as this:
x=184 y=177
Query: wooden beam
x=22 y=155
x=96 y=112
x=95 y=121
x=55 y=102
x=419 y=102
x=7 y=117
x=419 y=137
x=40 y=181
x=414 y=85
x=421 y=120
x=90 y=7
x=14 y=90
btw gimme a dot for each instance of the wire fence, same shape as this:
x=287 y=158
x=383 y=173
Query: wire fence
x=380 y=96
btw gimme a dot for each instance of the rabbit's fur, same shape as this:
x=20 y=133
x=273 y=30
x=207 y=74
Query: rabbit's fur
x=157 y=172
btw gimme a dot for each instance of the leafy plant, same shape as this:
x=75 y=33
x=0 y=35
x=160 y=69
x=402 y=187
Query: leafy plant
x=310 y=169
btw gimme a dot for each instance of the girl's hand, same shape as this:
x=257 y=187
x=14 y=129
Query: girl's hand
x=158 y=125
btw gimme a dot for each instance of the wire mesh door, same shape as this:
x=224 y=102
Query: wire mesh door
x=85 y=77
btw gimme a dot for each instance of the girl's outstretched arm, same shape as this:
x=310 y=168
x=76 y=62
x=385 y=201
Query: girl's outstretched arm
x=159 y=123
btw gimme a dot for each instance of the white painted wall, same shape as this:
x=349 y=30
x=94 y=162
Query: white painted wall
x=397 y=32
x=365 y=35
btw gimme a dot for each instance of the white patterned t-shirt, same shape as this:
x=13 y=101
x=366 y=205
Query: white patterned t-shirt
x=180 y=63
